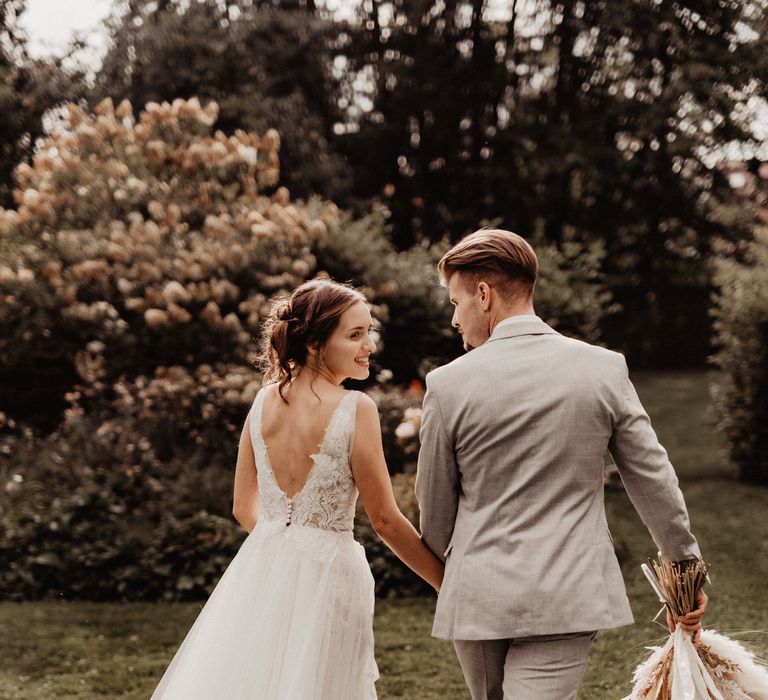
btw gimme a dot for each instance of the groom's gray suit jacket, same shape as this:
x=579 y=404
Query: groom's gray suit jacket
x=510 y=485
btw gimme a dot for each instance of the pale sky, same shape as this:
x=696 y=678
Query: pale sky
x=52 y=24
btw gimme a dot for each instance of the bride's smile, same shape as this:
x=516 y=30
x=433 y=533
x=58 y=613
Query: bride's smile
x=347 y=351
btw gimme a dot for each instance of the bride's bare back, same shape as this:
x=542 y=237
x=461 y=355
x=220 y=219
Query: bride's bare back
x=304 y=461
x=294 y=431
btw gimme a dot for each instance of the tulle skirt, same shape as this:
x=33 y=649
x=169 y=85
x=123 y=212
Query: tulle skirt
x=290 y=619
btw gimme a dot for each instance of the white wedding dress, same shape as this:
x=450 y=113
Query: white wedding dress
x=292 y=616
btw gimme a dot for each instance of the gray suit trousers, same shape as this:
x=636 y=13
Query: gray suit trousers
x=544 y=667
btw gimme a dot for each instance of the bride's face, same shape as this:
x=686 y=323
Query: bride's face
x=469 y=317
x=348 y=348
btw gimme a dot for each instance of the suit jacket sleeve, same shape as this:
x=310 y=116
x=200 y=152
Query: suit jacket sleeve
x=437 y=478
x=649 y=477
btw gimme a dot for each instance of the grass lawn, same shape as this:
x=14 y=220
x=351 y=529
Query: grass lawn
x=93 y=650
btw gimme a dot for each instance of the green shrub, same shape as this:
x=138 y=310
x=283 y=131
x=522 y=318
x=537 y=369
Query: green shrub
x=570 y=293
x=741 y=337
x=131 y=499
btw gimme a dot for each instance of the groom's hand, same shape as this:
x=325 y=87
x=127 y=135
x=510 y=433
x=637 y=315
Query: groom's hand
x=691 y=622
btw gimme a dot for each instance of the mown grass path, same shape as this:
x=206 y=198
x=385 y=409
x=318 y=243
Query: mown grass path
x=92 y=650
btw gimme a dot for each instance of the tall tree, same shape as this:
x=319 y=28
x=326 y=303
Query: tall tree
x=583 y=120
x=266 y=64
x=11 y=108
x=28 y=89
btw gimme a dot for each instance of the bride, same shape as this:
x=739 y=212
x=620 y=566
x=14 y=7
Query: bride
x=292 y=616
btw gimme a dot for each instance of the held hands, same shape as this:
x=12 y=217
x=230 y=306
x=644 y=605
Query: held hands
x=691 y=622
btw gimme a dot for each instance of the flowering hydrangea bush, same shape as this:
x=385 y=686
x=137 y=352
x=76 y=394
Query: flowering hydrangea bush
x=134 y=273
x=151 y=236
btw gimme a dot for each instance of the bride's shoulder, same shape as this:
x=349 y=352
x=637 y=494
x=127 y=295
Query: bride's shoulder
x=265 y=389
x=264 y=395
x=366 y=422
x=366 y=406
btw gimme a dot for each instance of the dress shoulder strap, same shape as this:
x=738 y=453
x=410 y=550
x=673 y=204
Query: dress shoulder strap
x=341 y=431
x=254 y=420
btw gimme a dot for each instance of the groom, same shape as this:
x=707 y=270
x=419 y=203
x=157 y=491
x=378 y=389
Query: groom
x=510 y=482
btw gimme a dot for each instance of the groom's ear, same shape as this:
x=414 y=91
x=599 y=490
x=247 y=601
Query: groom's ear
x=484 y=295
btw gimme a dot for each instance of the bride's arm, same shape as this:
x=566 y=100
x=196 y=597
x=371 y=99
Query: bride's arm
x=245 y=504
x=372 y=478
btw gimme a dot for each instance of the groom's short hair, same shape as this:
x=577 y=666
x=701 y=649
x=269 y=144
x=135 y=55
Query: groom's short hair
x=501 y=258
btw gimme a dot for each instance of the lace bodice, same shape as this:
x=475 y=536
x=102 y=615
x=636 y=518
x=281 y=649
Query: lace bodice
x=327 y=499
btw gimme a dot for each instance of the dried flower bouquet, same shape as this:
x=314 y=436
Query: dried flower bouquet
x=712 y=668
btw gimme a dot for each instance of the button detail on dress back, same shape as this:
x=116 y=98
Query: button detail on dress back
x=327 y=498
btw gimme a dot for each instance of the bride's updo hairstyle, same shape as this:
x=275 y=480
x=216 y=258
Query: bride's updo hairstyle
x=306 y=318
